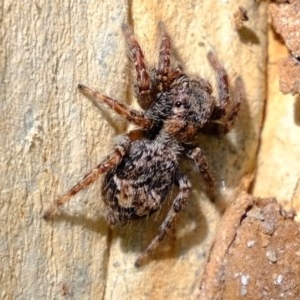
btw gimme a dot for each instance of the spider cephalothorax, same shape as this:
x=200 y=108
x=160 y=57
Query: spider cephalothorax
x=144 y=165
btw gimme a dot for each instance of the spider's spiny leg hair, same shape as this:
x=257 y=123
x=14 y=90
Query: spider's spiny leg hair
x=142 y=76
x=132 y=115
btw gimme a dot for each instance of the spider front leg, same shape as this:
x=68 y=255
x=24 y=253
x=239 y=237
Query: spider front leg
x=164 y=74
x=225 y=112
x=133 y=116
x=223 y=86
x=230 y=118
x=178 y=204
x=143 y=87
x=110 y=162
x=164 y=53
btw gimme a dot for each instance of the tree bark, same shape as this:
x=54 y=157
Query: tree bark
x=278 y=167
x=51 y=136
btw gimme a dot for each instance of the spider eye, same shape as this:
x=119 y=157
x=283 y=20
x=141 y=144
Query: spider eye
x=178 y=103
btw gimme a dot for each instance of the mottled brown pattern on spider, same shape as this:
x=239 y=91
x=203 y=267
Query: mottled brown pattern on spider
x=144 y=165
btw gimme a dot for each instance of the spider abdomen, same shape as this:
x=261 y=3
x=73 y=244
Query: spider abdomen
x=139 y=184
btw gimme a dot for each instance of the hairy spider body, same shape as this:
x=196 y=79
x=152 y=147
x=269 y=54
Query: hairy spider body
x=145 y=164
x=147 y=171
x=193 y=98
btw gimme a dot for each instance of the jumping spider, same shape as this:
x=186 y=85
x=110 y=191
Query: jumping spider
x=144 y=165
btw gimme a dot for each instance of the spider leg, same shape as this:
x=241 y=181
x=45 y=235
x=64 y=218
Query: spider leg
x=108 y=163
x=225 y=112
x=197 y=155
x=142 y=77
x=223 y=86
x=177 y=206
x=230 y=118
x=134 y=116
x=225 y=123
x=165 y=75
x=164 y=52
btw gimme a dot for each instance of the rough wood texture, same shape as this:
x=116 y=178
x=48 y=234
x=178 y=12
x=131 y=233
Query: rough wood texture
x=255 y=254
x=51 y=136
x=278 y=167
